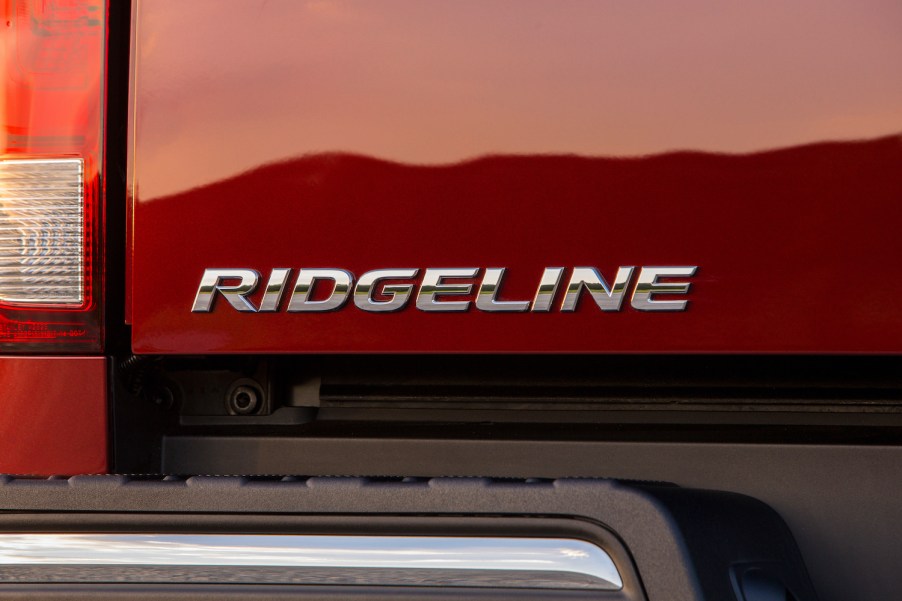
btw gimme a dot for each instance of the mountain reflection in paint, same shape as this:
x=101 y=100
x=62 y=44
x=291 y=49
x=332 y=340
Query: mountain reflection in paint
x=224 y=87
x=787 y=243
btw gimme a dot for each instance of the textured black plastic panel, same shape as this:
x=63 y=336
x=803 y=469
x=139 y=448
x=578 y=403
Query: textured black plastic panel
x=685 y=544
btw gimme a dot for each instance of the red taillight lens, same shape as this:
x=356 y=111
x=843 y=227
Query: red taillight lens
x=52 y=66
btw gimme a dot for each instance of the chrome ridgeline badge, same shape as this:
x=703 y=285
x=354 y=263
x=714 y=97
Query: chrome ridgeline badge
x=388 y=290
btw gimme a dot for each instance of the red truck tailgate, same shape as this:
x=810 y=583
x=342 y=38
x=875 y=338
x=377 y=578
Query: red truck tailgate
x=524 y=174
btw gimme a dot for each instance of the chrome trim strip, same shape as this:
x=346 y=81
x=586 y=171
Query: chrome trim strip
x=554 y=563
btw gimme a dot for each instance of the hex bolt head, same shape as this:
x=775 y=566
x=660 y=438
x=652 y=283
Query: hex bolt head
x=244 y=400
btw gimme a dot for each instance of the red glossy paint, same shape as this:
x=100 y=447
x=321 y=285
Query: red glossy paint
x=53 y=415
x=52 y=70
x=759 y=142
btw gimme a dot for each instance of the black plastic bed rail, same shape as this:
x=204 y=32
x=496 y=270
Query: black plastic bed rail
x=667 y=543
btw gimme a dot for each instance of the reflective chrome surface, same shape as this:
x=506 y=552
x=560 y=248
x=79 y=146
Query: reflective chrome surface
x=488 y=291
x=551 y=279
x=647 y=285
x=398 y=294
x=301 y=299
x=214 y=280
x=274 y=289
x=544 y=563
x=433 y=286
x=607 y=298
x=237 y=286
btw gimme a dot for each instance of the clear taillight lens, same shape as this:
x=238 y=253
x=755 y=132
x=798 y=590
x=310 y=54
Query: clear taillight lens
x=52 y=67
x=42 y=232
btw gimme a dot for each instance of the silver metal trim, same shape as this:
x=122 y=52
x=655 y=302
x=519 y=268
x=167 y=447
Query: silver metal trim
x=541 y=563
x=235 y=294
x=434 y=286
x=551 y=279
x=647 y=285
x=608 y=298
x=488 y=291
x=307 y=279
x=399 y=294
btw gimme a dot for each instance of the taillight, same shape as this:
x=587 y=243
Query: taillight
x=52 y=66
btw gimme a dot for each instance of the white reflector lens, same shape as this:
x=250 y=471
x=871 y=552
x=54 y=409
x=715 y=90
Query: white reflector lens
x=42 y=242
